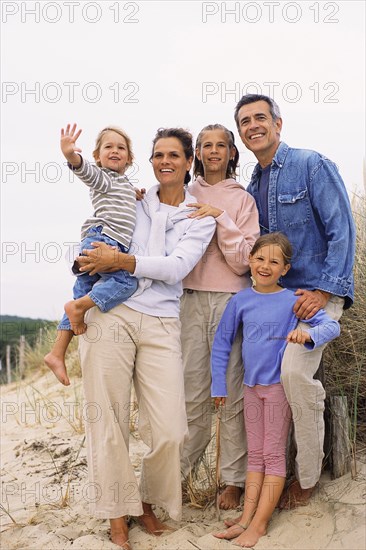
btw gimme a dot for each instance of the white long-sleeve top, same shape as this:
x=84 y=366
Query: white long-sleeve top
x=184 y=244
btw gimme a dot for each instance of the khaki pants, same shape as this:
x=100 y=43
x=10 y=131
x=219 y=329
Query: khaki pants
x=306 y=398
x=201 y=312
x=119 y=346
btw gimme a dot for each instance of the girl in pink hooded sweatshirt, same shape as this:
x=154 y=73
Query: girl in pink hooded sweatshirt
x=222 y=271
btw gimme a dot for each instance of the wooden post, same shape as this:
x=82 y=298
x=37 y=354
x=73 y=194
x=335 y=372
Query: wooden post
x=8 y=366
x=337 y=447
x=21 y=355
x=340 y=455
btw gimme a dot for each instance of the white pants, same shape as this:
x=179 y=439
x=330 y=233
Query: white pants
x=306 y=398
x=119 y=346
x=201 y=312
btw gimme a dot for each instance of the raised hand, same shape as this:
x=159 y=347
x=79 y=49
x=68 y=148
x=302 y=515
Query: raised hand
x=68 y=145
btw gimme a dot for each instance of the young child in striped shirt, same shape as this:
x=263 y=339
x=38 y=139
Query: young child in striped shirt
x=114 y=201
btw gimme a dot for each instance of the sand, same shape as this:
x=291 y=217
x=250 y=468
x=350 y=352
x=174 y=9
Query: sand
x=45 y=490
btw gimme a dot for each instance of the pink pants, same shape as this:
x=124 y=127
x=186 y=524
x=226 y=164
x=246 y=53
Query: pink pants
x=267 y=417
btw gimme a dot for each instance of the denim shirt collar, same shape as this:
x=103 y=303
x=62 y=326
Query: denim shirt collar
x=281 y=154
x=278 y=160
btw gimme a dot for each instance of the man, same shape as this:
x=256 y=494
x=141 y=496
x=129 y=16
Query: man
x=301 y=193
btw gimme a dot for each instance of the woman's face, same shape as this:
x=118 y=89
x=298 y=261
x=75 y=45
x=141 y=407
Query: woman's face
x=169 y=162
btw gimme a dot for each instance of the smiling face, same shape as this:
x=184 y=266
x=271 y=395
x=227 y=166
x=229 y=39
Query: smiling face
x=267 y=265
x=113 y=152
x=258 y=131
x=214 y=152
x=169 y=162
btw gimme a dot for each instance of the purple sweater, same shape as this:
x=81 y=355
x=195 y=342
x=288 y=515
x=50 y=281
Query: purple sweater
x=266 y=320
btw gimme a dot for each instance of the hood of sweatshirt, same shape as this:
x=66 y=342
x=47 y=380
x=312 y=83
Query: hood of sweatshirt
x=224 y=184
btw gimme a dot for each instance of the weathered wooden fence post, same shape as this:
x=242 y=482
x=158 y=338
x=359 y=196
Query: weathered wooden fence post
x=21 y=355
x=337 y=445
x=340 y=452
x=8 y=366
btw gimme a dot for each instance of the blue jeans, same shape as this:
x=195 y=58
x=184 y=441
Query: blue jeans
x=107 y=290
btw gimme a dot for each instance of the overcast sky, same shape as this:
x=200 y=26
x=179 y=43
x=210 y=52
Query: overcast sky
x=145 y=65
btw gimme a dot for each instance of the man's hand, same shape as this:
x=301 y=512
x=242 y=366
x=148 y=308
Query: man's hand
x=204 y=210
x=310 y=302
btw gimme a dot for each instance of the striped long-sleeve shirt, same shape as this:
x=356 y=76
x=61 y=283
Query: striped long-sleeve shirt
x=114 y=201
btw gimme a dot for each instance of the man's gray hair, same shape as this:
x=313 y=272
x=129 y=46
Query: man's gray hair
x=253 y=98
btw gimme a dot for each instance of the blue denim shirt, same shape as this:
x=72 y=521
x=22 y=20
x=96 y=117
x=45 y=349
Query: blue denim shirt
x=307 y=200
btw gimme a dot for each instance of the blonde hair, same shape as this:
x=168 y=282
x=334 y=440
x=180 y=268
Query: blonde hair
x=98 y=143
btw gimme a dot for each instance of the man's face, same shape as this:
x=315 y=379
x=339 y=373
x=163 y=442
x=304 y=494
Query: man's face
x=258 y=131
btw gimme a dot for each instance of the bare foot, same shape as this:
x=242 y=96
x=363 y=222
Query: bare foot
x=75 y=314
x=151 y=523
x=250 y=536
x=119 y=533
x=295 y=496
x=58 y=368
x=231 y=522
x=231 y=533
x=230 y=497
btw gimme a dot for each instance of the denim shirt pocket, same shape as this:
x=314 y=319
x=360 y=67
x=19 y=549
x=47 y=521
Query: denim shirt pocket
x=294 y=207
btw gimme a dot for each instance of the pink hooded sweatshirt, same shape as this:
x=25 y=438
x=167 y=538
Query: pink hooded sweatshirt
x=224 y=266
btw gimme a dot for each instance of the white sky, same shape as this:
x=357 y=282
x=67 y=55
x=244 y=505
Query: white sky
x=145 y=65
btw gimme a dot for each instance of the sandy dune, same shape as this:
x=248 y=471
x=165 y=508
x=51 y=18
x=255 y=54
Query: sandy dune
x=45 y=490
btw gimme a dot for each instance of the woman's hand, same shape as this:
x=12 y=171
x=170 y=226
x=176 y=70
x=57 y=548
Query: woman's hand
x=140 y=193
x=204 y=210
x=68 y=145
x=105 y=259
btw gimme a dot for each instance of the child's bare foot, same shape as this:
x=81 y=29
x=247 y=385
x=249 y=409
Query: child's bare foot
x=119 y=533
x=231 y=533
x=151 y=523
x=251 y=536
x=58 y=368
x=75 y=313
x=230 y=497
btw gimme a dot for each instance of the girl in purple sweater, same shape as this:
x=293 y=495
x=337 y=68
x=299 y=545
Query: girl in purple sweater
x=265 y=313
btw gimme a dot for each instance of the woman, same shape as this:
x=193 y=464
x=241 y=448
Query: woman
x=223 y=270
x=140 y=340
